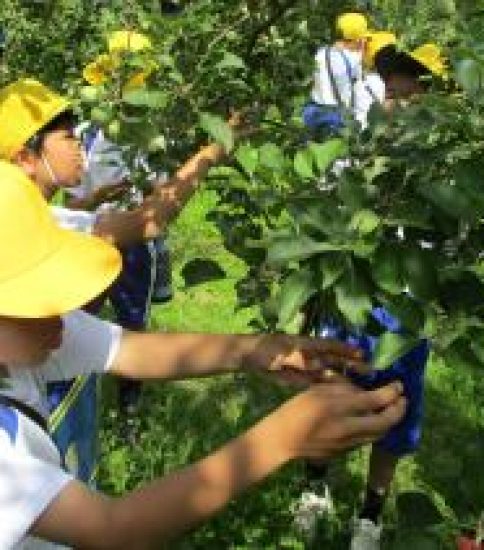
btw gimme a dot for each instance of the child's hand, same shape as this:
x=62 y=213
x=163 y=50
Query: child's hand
x=303 y=361
x=330 y=418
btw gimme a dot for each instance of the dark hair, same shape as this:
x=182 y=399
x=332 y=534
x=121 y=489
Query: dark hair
x=391 y=61
x=62 y=120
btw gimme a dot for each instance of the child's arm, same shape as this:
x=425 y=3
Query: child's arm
x=175 y=355
x=317 y=423
x=106 y=193
x=152 y=217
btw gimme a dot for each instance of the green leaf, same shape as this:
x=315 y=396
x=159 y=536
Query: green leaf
x=470 y=75
x=365 y=222
x=385 y=269
x=352 y=300
x=391 y=347
x=416 y=540
x=416 y=510
x=285 y=250
x=201 y=270
x=248 y=157
x=411 y=213
x=271 y=156
x=419 y=271
x=303 y=164
x=230 y=61
x=379 y=166
x=406 y=310
x=217 y=128
x=477 y=346
x=331 y=267
x=450 y=199
x=153 y=99
x=326 y=153
x=294 y=293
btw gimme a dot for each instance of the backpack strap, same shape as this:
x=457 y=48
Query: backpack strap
x=26 y=410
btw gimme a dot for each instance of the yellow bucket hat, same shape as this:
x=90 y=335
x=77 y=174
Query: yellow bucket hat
x=98 y=71
x=376 y=42
x=431 y=57
x=352 y=26
x=26 y=106
x=45 y=270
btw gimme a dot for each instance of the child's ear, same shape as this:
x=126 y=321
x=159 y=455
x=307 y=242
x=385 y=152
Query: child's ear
x=27 y=160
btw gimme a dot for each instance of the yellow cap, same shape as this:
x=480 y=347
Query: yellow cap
x=376 y=42
x=352 y=26
x=98 y=71
x=45 y=270
x=431 y=57
x=26 y=106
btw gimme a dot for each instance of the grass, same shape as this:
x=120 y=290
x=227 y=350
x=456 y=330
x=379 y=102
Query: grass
x=180 y=422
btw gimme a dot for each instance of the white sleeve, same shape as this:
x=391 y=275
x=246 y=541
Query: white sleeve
x=28 y=485
x=76 y=220
x=88 y=345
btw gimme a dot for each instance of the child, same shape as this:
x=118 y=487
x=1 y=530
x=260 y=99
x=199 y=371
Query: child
x=339 y=85
x=404 y=75
x=45 y=272
x=39 y=137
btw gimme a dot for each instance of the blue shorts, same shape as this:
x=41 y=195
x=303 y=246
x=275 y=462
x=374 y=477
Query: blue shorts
x=316 y=117
x=403 y=438
x=130 y=295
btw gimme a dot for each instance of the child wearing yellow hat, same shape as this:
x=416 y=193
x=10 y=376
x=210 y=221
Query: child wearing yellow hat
x=406 y=74
x=340 y=90
x=38 y=135
x=410 y=73
x=45 y=273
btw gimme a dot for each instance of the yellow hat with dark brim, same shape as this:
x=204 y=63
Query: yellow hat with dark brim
x=26 y=106
x=352 y=26
x=45 y=270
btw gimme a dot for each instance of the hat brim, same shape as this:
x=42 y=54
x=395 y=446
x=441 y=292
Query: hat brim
x=78 y=270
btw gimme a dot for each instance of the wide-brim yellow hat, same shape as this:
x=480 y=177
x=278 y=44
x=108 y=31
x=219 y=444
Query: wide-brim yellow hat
x=26 y=106
x=45 y=270
x=431 y=57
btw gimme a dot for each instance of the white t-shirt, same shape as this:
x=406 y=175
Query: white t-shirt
x=75 y=220
x=349 y=79
x=368 y=90
x=30 y=473
x=346 y=67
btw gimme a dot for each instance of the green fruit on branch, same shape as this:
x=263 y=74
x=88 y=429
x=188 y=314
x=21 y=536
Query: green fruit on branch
x=113 y=130
x=101 y=115
x=89 y=94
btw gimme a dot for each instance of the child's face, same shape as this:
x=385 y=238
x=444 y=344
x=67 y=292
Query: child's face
x=29 y=342
x=403 y=87
x=63 y=152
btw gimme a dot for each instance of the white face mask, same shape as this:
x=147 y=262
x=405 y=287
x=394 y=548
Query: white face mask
x=49 y=169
